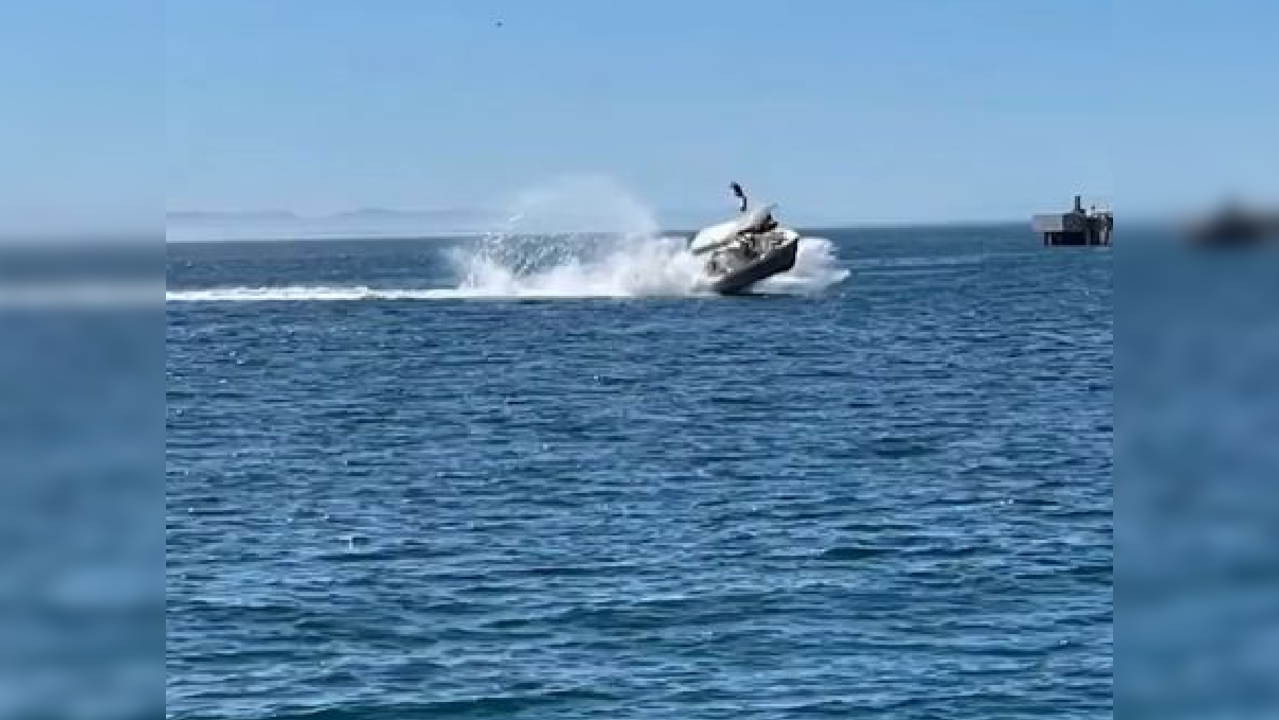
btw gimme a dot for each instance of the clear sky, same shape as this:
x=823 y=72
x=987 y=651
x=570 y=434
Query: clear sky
x=1196 y=111
x=79 y=111
x=888 y=109
x=864 y=110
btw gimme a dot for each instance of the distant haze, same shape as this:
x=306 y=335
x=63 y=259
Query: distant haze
x=384 y=223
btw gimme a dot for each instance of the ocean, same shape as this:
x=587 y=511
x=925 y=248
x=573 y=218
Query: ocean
x=546 y=477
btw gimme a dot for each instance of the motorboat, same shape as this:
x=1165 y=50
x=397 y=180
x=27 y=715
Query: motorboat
x=745 y=251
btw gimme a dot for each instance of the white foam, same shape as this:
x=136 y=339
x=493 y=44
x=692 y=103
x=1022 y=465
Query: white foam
x=298 y=293
x=816 y=268
x=620 y=268
x=651 y=268
x=613 y=251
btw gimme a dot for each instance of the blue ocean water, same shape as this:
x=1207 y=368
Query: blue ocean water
x=447 y=478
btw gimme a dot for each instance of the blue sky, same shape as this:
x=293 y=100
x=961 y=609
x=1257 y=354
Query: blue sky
x=861 y=110
x=1195 y=110
x=78 y=114
x=898 y=110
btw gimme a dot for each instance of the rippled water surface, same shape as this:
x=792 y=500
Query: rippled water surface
x=883 y=495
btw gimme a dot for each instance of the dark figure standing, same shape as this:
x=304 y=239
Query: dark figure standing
x=737 y=191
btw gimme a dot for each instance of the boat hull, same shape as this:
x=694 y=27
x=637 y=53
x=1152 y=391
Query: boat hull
x=778 y=260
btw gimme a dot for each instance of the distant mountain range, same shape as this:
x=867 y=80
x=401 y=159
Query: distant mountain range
x=197 y=215
x=182 y=216
x=377 y=222
x=364 y=222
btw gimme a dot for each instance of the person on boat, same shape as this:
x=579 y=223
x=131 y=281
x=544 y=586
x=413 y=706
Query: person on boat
x=767 y=223
x=740 y=195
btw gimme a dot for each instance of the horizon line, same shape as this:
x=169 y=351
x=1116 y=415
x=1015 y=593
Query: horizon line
x=475 y=234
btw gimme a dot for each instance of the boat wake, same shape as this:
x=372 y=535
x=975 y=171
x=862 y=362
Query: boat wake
x=297 y=293
x=614 y=251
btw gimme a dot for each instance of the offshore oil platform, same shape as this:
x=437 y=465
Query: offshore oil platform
x=1077 y=227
